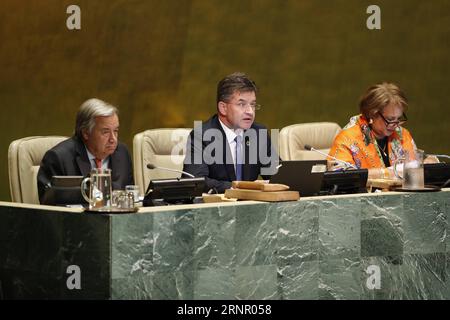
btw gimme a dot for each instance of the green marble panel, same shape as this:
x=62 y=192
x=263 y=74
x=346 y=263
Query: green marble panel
x=86 y=244
x=447 y=276
x=424 y=223
x=257 y=283
x=339 y=228
x=131 y=244
x=340 y=279
x=30 y=254
x=138 y=286
x=7 y=231
x=446 y=201
x=215 y=284
x=314 y=249
x=391 y=284
x=256 y=232
x=424 y=276
x=176 y=285
x=214 y=230
x=298 y=232
x=381 y=228
x=36 y=239
x=389 y=205
x=173 y=235
x=299 y=281
x=19 y=284
x=381 y=236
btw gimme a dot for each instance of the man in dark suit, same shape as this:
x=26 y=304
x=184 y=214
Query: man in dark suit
x=230 y=146
x=94 y=145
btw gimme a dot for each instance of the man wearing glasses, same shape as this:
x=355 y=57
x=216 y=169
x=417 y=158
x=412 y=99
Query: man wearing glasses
x=230 y=146
x=375 y=139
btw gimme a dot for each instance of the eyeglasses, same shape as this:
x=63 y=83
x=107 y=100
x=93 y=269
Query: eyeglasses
x=394 y=123
x=243 y=105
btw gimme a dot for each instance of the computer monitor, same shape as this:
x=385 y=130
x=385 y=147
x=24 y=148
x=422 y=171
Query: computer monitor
x=437 y=174
x=344 y=182
x=64 y=190
x=173 y=191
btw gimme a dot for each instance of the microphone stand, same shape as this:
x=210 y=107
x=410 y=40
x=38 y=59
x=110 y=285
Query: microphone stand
x=347 y=164
x=151 y=167
x=439 y=155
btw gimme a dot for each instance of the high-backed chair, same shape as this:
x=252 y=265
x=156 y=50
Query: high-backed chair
x=160 y=147
x=293 y=138
x=24 y=159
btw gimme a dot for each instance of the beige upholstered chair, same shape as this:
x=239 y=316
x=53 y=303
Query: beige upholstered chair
x=24 y=158
x=160 y=147
x=319 y=135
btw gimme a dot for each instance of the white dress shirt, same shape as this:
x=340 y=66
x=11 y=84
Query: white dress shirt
x=91 y=157
x=231 y=135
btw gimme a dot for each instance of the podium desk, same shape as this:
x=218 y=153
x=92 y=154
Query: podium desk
x=366 y=246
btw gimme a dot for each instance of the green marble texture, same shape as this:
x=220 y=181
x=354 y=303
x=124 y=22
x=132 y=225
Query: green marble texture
x=317 y=248
x=340 y=228
x=299 y=281
x=424 y=224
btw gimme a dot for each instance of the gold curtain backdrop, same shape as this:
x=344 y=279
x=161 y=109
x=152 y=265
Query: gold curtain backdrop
x=160 y=61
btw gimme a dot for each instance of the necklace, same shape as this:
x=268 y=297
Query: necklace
x=383 y=150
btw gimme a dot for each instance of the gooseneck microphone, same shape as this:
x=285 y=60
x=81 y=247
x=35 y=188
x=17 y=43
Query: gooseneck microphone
x=152 y=166
x=347 y=164
x=438 y=155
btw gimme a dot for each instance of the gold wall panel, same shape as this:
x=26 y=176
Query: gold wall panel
x=160 y=61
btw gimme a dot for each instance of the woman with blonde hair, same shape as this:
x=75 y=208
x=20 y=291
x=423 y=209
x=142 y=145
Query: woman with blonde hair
x=375 y=139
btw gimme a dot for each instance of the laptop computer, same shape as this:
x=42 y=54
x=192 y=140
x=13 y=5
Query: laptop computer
x=64 y=190
x=304 y=176
x=66 y=181
x=437 y=174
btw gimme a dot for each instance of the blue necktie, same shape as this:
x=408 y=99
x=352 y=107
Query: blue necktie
x=239 y=158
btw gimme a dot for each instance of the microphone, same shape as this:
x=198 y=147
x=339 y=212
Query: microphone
x=438 y=155
x=152 y=166
x=347 y=164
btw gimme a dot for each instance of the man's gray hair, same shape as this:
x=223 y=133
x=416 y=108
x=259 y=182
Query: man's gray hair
x=89 y=110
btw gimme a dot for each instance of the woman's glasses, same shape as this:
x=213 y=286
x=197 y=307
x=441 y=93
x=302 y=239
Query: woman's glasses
x=394 y=123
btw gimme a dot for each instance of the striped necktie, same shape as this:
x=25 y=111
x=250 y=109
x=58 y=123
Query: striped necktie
x=98 y=163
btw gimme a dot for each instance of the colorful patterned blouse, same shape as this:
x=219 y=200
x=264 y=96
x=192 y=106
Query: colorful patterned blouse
x=357 y=144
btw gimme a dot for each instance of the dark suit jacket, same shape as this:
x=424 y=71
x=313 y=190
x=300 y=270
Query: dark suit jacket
x=69 y=158
x=218 y=176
